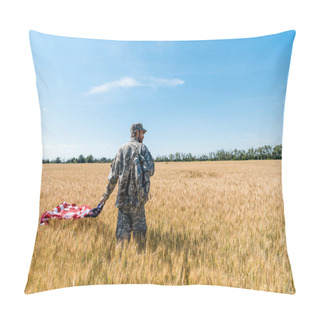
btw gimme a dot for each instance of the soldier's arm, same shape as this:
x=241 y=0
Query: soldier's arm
x=149 y=161
x=112 y=177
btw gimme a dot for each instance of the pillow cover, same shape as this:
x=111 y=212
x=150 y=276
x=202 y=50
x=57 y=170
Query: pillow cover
x=161 y=162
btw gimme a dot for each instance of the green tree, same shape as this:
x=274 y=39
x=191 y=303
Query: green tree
x=277 y=152
x=89 y=158
x=81 y=159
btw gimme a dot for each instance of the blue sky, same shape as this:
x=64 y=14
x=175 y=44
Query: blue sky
x=191 y=96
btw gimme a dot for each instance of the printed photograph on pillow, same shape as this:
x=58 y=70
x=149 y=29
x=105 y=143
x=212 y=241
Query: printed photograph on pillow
x=161 y=163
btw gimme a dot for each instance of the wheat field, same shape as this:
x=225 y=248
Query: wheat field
x=210 y=223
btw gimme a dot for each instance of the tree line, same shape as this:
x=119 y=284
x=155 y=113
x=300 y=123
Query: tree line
x=80 y=159
x=262 y=153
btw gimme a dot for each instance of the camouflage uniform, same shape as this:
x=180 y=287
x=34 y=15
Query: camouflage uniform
x=131 y=213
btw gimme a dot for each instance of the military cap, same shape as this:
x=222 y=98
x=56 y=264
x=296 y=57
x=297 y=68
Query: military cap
x=137 y=127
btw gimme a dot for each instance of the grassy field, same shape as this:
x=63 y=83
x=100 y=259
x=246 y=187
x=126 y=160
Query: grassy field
x=211 y=223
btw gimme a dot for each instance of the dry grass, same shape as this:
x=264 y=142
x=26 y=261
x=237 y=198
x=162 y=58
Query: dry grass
x=213 y=223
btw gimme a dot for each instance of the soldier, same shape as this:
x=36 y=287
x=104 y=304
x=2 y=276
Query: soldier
x=133 y=166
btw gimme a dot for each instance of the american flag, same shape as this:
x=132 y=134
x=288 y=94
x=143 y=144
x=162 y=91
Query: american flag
x=71 y=212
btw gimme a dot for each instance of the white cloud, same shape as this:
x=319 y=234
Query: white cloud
x=124 y=83
x=128 y=82
x=167 y=82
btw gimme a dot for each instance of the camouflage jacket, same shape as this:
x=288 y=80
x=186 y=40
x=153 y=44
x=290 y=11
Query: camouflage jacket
x=122 y=168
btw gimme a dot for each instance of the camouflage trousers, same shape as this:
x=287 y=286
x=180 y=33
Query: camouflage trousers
x=132 y=220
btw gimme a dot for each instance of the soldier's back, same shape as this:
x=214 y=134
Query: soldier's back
x=127 y=193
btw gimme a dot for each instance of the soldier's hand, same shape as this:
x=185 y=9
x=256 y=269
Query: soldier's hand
x=103 y=199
